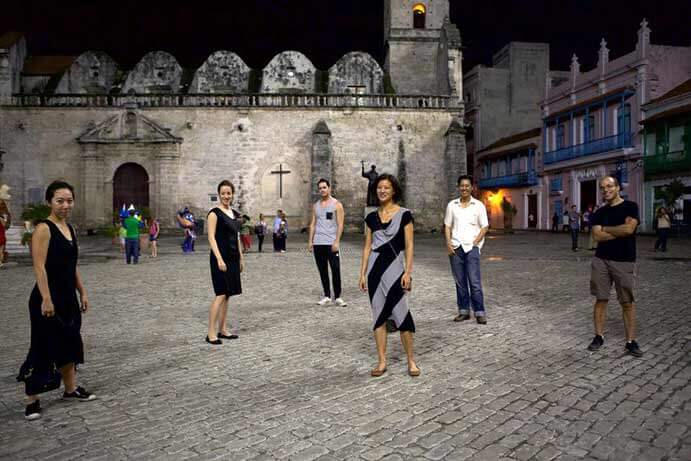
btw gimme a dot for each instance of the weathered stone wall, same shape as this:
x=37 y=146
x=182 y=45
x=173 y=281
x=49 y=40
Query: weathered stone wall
x=356 y=69
x=529 y=65
x=289 y=72
x=245 y=147
x=413 y=66
x=493 y=96
x=222 y=72
x=157 y=72
x=92 y=72
x=11 y=63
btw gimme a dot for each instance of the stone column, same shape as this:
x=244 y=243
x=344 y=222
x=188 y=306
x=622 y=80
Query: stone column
x=164 y=193
x=455 y=159
x=322 y=157
x=91 y=193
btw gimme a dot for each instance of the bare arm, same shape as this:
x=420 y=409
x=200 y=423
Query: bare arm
x=480 y=236
x=601 y=236
x=82 y=291
x=213 y=222
x=449 y=246
x=313 y=223
x=39 y=253
x=366 y=250
x=408 y=234
x=340 y=219
x=622 y=230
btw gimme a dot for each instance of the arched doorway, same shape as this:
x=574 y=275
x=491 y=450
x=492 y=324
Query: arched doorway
x=130 y=186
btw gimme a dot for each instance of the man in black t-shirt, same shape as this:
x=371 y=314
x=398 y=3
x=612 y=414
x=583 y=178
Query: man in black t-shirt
x=614 y=228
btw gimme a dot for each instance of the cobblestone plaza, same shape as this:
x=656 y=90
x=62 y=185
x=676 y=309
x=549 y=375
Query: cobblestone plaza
x=296 y=384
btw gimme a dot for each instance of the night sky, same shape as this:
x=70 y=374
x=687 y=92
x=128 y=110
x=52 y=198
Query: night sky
x=325 y=30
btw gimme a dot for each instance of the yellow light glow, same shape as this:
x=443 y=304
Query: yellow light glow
x=495 y=198
x=419 y=8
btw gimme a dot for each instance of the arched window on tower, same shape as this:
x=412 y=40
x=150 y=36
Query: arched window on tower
x=419 y=12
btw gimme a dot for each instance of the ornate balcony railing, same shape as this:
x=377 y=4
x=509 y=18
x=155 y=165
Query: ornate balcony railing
x=528 y=178
x=676 y=161
x=596 y=146
x=236 y=100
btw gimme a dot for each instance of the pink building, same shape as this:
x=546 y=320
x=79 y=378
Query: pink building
x=591 y=123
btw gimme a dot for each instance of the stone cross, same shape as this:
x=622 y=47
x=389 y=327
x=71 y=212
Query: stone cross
x=280 y=174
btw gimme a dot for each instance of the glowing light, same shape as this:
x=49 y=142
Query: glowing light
x=419 y=9
x=494 y=199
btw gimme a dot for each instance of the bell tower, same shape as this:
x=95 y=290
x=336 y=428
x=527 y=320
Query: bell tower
x=412 y=42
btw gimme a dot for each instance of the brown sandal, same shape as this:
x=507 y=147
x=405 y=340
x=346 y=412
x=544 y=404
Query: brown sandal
x=376 y=372
x=414 y=373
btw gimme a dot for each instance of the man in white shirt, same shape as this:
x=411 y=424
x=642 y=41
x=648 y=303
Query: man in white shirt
x=465 y=226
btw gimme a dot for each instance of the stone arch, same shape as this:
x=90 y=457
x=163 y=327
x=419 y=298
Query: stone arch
x=222 y=72
x=93 y=72
x=289 y=72
x=156 y=72
x=356 y=72
x=130 y=186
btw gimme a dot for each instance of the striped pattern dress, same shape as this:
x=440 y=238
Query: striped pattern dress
x=385 y=268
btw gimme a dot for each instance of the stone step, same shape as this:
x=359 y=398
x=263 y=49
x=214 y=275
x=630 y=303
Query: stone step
x=14 y=238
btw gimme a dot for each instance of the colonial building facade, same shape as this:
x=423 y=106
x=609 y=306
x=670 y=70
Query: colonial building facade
x=503 y=117
x=162 y=137
x=667 y=153
x=591 y=123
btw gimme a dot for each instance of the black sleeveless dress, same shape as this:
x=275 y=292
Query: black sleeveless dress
x=56 y=341
x=227 y=230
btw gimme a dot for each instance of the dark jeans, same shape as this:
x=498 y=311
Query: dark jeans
x=574 y=238
x=279 y=242
x=661 y=243
x=260 y=240
x=132 y=250
x=324 y=258
x=465 y=268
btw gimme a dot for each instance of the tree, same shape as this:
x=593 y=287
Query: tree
x=672 y=192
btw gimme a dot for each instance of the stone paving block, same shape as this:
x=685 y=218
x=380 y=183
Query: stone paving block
x=439 y=452
x=486 y=439
x=449 y=417
x=433 y=440
x=548 y=453
x=282 y=393
x=309 y=454
x=425 y=429
x=602 y=450
x=490 y=453
x=460 y=454
x=513 y=440
x=376 y=453
x=525 y=452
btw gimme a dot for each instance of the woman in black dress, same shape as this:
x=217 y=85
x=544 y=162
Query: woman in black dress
x=54 y=310
x=226 y=261
x=386 y=269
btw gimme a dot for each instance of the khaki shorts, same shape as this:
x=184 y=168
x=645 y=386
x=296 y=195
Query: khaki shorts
x=603 y=272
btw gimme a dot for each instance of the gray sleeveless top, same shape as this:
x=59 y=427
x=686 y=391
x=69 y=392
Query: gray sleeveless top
x=326 y=226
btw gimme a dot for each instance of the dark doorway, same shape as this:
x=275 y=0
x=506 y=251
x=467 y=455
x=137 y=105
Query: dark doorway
x=588 y=194
x=130 y=186
x=532 y=211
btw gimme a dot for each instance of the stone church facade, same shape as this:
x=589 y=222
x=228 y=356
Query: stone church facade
x=163 y=136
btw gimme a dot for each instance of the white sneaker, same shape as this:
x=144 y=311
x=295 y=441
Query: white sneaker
x=340 y=303
x=324 y=301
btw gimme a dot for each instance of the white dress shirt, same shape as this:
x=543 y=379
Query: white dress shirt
x=465 y=223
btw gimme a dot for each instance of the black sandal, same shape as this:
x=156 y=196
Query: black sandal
x=215 y=342
x=231 y=336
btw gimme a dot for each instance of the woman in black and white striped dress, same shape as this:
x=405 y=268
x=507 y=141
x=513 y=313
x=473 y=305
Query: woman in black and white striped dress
x=387 y=265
